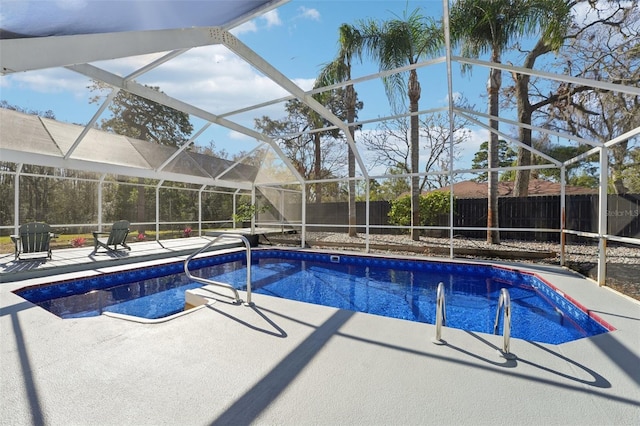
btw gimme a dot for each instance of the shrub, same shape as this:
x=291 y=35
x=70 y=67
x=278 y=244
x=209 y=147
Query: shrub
x=245 y=212
x=432 y=206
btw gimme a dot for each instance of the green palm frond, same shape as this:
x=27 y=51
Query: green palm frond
x=332 y=73
x=339 y=70
x=483 y=26
x=399 y=42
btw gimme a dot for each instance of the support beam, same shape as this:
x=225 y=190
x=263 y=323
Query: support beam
x=253 y=216
x=100 y=191
x=602 y=216
x=16 y=198
x=448 y=54
x=596 y=84
x=240 y=49
x=529 y=126
x=91 y=122
x=158 y=209
x=155 y=64
x=228 y=169
x=183 y=147
x=367 y=244
x=163 y=99
x=202 y=188
x=623 y=137
x=115 y=169
x=54 y=52
x=374 y=76
x=515 y=141
x=235 y=207
x=563 y=213
x=303 y=239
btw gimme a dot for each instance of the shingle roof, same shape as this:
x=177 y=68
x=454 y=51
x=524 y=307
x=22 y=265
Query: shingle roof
x=473 y=189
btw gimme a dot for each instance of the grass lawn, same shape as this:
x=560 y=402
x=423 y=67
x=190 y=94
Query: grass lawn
x=67 y=240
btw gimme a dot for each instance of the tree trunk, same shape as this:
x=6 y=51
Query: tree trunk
x=494 y=83
x=525 y=111
x=619 y=152
x=521 y=184
x=316 y=165
x=414 y=97
x=351 y=161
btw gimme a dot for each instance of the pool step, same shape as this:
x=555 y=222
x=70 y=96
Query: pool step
x=205 y=295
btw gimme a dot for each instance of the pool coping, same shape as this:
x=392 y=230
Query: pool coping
x=199 y=300
x=283 y=362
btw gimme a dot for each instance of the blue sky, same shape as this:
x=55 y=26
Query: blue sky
x=297 y=38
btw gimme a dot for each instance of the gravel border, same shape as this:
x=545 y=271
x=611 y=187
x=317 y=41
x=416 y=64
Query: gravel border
x=623 y=261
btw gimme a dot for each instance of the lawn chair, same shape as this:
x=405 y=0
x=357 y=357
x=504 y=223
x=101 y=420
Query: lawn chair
x=117 y=237
x=33 y=237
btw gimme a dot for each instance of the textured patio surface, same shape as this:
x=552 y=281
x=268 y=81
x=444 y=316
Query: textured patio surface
x=83 y=258
x=78 y=259
x=285 y=362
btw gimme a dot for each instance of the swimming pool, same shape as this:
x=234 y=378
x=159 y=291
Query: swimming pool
x=397 y=288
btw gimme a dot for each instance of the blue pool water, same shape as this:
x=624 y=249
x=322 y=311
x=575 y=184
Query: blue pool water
x=404 y=289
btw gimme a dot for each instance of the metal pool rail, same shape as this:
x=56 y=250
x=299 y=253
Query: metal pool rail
x=217 y=283
x=504 y=302
x=441 y=314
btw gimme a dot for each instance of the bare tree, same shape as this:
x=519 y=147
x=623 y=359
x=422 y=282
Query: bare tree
x=315 y=154
x=532 y=95
x=604 y=50
x=391 y=146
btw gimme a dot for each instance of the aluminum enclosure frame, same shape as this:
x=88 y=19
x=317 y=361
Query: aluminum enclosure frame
x=76 y=52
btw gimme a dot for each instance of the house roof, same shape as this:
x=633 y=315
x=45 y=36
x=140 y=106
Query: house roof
x=473 y=189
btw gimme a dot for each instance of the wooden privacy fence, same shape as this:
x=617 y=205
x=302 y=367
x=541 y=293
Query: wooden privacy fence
x=536 y=212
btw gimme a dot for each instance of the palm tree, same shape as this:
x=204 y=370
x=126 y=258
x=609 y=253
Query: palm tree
x=394 y=44
x=338 y=71
x=490 y=26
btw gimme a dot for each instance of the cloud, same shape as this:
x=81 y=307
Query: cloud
x=457 y=96
x=272 y=18
x=306 y=13
x=247 y=27
x=54 y=80
x=238 y=136
x=269 y=20
x=472 y=141
x=305 y=84
x=211 y=78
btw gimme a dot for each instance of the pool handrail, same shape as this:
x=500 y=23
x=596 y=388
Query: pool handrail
x=217 y=283
x=504 y=304
x=441 y=314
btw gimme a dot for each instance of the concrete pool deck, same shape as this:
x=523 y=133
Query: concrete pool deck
x=285 y=362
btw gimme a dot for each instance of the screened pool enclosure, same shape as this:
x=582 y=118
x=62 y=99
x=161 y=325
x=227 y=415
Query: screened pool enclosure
x=102 y=173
